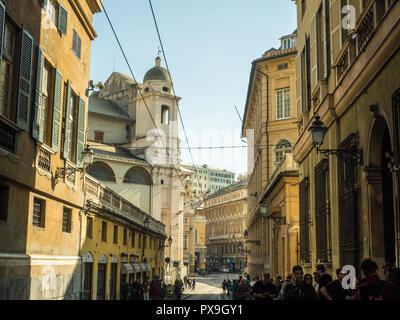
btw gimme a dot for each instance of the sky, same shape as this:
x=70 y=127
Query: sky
x=209 y=46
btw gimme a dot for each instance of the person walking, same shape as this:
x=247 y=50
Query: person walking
x=228 y=286
x=278 y=284
x=177 y=289
x=185 y=281
x=244 y=290
x=298 y=289
x=371 y=287
x=124 y=288
x=223 y=286
x=194 y=284
x=146 y=290
x=281 y=294
x=156 y=289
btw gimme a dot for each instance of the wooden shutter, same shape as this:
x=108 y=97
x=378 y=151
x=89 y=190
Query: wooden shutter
x=314 y=52
x=299 y=83
x=62 y=19
x=304 y=196
x=80 y=137
x=25 y=75
x=336 y=28
x=327 y=38
x=37 y=104
x=2 y=22
x=55 y=138
x=67 y=122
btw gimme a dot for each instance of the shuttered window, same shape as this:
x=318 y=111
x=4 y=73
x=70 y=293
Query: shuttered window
x=103 y=231
x=327 y=38
x=67 y=220
x=308 y=75
x=62 y=19
x=38 y=217
x=74 y=107
x=89 y=227
x=322 y=211
x=80 y=136
x=115 y=237
x=125 y=238
x=76 y=44
x=349 y=208
x=25 y=75
x=38 y=103
x=133 y=239
x=55 y=137
x=304 y=193
x=283 y=103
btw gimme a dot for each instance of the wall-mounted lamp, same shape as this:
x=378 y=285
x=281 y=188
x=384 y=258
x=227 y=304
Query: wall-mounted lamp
x=87 y=159
x=317 y=132
x=92 y=87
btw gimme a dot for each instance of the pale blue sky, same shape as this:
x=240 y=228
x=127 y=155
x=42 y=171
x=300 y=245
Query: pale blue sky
x=210 y=45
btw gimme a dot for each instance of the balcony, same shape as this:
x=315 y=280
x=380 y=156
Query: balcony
x=107 y=199
x=44 y=158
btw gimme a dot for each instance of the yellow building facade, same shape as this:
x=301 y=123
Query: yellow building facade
x=270 y=129
x=347 y=74
x=225 y=212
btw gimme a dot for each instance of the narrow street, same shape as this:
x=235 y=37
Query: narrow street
x=209 y=287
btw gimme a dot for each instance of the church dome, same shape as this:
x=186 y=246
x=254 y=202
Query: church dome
x=157 y=73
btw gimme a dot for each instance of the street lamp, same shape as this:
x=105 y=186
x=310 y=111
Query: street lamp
x=318 y=131
x=87 y=159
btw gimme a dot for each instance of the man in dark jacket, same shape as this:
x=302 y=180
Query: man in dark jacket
x=334 y=290
x=298 y=289
x=156 y=289
x=324 y=279
x=243 y=290
x=264 y=289
x=124 y=288
x=371 y=287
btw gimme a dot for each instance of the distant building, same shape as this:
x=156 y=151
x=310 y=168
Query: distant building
x=225 y=212
x=208 y=179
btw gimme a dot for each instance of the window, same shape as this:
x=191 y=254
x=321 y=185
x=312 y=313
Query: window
x=304 y=196
x=44 y=113
x=282 y=147
x=128 y=131
x=76 y=44
x=125 y=240
x=115 y=237
x=303 y=8
x=283 y=103
x=322 y=211
x=139 y=240
x=89 y=227
x=104 y=231
x=185 y=242
x=164 y=114
x=165 y=89
x=4 y=194
x=7 y=69
x=38 y=212
x=146 y=89
x=67 y=220
x=99 y=136
x=70 y=123
x=144 y=242
x=101 y=171
x=282 y=66
x=133 y=239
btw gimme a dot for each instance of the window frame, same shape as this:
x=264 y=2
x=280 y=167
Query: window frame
x=67 y=220
x=284 y=116
x=89 y=227
x=115 y=235
x=104 y=231
x=4 y=201
x=42 y=202
x=76 y=39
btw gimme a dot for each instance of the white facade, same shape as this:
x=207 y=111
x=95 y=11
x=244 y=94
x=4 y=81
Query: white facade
x=144 y=172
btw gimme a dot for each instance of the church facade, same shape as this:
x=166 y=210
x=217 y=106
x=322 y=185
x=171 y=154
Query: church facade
x=133 y=130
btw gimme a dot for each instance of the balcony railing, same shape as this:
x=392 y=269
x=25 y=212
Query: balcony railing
x=101 y=195
x=44 y=159
x=8 y=137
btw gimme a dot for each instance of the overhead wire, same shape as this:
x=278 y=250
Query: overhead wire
x=173 y=89
x=140 y=91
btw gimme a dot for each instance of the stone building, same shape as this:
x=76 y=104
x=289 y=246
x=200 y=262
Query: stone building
x=270 y=129
x=133 y=130
x=347 y=75
x=45 y=59
x=225 y=212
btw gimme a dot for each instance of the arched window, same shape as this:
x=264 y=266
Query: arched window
x=165 y=114
x=101 y=171
x=138 y=175
x=282 y=147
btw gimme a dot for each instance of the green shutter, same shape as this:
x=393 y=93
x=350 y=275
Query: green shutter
x=62 y=19
x=80 y=137
x=55 y=137
x=24 y=94
x=37 y=104
x=67 y=123
x=2 y=21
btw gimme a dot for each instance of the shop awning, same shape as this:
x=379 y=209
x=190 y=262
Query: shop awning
x=136 y=267
x=126 y=268
x=144 y=267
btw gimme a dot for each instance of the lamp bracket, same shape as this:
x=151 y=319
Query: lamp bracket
x=350 y=156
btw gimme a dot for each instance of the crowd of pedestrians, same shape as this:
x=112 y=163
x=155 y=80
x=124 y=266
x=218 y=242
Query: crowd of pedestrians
x=156 y=289
x=319 y=286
